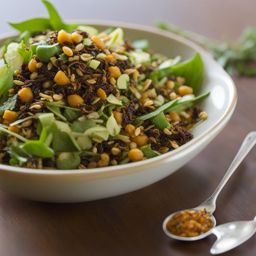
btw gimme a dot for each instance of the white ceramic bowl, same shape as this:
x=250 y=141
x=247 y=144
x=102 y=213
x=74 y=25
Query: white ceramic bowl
x=92 y=184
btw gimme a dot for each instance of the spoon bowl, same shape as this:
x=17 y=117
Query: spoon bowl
x=232 y=234
x=184 y=238
x=210 y=204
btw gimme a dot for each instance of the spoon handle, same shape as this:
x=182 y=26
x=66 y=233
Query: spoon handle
x=247 y=145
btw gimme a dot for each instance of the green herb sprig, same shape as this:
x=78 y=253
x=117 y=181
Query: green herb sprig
x=238 y=58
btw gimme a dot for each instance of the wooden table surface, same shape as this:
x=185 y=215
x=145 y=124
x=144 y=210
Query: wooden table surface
x=130 y=225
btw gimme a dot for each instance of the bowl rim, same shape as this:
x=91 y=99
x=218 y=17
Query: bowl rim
x=134 y=166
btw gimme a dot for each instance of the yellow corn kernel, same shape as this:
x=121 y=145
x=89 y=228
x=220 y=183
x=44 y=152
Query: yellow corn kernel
x=130 y=129
x=114 y=71
x=63 y=37
x=102 y=94
x=32 y=65
x=140 y=140
x=76 y=37
x=25 y=94
x=104 y=160
x=110 y=58
x=75 y=100
x=135 y=154
x=184 y=90
x=10 y=116
x=98 y=42
x=118 y=116
x=174 y=116
x=67 y=51
x=61 y=78
x=14 y=128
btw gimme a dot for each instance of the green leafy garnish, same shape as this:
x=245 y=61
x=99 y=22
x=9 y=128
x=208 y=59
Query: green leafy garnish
x=45 y=52
x=67 y=160
x=5 y=130
x=37 y=148
x=237 y=58
x=9 y=104
x=160 y=121
x=149 y=152
x=187 y=102
x=177 y=104
x=25 y=52
x=114 y=100
x=112 y=126
x=82 y=125
x=141 y=44
x=98 y=133
x=54 y=22
x=5 y=79
x=55 y=110
x=155 y=112
x=32 y=25
x=192 y=70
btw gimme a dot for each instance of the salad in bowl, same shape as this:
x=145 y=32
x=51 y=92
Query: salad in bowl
x=74 y=97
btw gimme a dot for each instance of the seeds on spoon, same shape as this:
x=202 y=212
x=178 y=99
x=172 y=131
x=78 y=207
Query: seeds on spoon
x=190 y=223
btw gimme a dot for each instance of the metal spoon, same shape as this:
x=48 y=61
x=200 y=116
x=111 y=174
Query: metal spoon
x=232 y=234
x=210 y=203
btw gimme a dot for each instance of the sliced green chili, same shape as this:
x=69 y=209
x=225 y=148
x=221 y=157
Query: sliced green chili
x=45 y=52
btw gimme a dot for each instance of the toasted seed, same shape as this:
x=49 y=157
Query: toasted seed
x=174 y=144
x=45 y=96
x=148 y=103
x=79 y=47
x=36 y=106
x=67 y=51
x=180 y=80
x=167 y=131
x=53 y=61
x=115 y=151
x=146 y=85
x=57 y=97
x=112 y=80
x=79 y=72
x=75 y=58
x=26 y=123
x=49 y=66
x=133 y=145
x=18 y=82
x=86 y=57
x=185 y=90
x=163 y=150
x=170 y=84
x=39 y=65
x=203 y=115
x=46 y=84
x=34 y=75
x=173 y=96
x=91 y=81
x=137 y=131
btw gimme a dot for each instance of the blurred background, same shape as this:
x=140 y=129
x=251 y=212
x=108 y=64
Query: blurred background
x=197 y=15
